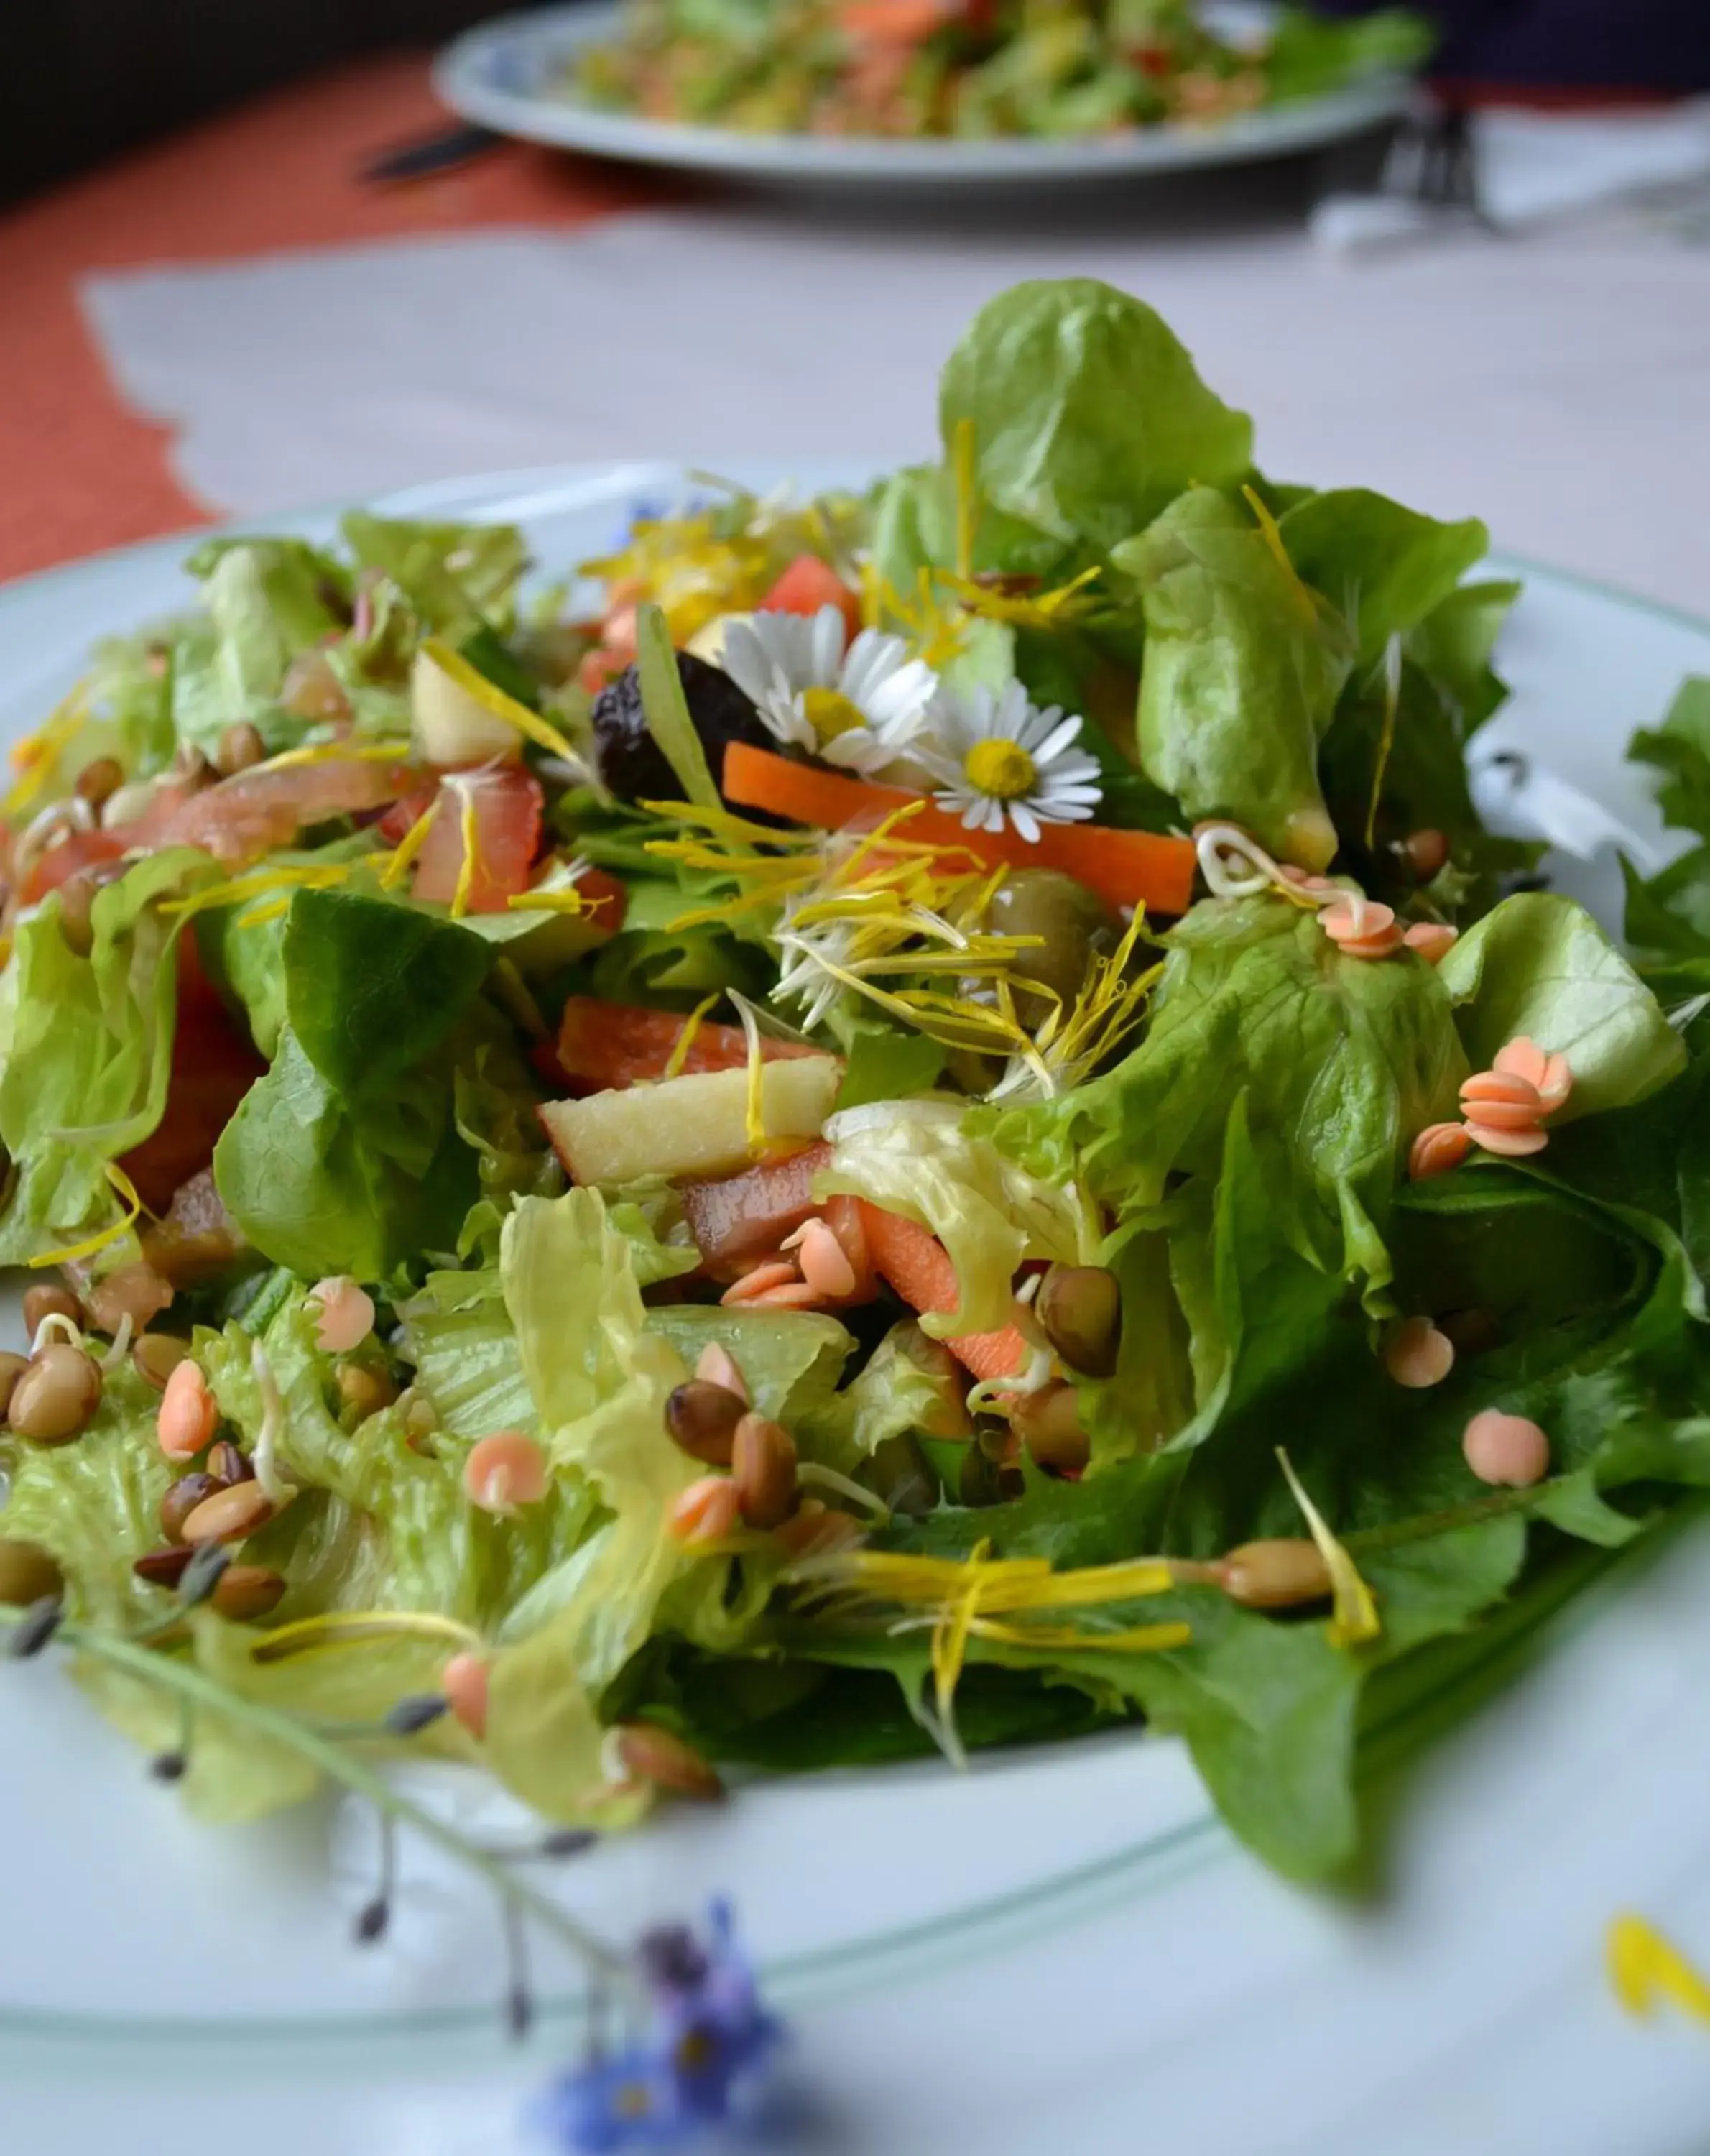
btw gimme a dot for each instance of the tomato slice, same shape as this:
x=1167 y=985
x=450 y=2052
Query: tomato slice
x=809 y=584
x=508 y=805
x=213 y=1066
x=601 y=1045
x=77 y=850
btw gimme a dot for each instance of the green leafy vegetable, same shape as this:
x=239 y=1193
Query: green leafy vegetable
x=1243 y=666
x=1540 y=965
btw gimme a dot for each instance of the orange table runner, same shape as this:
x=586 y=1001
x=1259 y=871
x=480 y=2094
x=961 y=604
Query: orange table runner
x=81 y=470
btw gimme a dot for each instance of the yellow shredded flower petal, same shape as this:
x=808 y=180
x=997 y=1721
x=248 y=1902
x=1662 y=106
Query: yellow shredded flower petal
x=685 y=1040
x=756 y=1111
x=1271 y=533
x=1353 y=1618
x=1068 y=1639
x=355 y=1628
x=36 y=758
x=335 y=751
x=471 y=838
x=492 y=698
x=404 y=853
x=132 y=1203
x=1644 y=1968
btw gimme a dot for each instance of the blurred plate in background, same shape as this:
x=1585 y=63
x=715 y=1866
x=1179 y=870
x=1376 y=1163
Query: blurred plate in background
x=513 y=75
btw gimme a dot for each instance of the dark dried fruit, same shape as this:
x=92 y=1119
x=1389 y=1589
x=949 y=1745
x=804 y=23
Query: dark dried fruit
x=632 y=763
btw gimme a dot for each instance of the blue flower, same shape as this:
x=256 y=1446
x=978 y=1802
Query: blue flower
x=696 y=2065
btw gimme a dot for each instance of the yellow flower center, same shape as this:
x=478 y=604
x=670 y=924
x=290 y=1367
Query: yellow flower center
x=830 y=712
x=1001 y=768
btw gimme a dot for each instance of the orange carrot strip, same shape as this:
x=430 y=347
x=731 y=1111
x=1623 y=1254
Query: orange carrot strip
x=918 y=1267
x=1126 y=868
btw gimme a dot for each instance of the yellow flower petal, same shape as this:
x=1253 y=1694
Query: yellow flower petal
x=1644 y=1968
x=1353 y=1617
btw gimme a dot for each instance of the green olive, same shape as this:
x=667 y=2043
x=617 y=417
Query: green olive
x=1074 y=923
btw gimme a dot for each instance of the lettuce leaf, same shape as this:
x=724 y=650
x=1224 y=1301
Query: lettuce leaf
x=455 y=576
x=266 y=600
x=1679 y=749
x=1385 y=568
x=87 y=1044
x=1243 y=666
x=988 y=1211
x=346 y=1156
x=1539 y=965
x=1087 y=416
x=1340 y=1064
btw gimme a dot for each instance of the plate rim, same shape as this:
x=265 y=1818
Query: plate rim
x=461 y=76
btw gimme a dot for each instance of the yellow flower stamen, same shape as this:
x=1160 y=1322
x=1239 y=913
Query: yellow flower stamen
x=1002 y=769
x=1353 y=1615
x=1644 y=1968
x=685 y=1040
x=831 y=713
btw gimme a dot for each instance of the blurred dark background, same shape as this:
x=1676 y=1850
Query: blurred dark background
x=81 y=80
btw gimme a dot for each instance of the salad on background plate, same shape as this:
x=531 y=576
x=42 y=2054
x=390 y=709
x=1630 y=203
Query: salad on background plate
x=916 y=1120
x=974 y=68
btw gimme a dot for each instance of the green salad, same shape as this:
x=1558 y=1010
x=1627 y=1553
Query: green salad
x=915 y=1119
x=975 y=68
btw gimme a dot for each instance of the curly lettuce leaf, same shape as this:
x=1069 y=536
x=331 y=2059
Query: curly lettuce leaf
x=87 y=1044
x=989 y=1212
x=265 y=601
x=1340 y=1064
x=456 y=576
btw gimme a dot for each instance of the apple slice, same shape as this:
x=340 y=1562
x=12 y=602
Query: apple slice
x=694 y=1126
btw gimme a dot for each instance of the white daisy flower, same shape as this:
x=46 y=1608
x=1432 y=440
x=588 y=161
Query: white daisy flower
x=998 y=757
x=857 y=705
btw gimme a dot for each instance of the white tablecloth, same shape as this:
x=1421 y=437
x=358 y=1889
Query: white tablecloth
x=1556 y=384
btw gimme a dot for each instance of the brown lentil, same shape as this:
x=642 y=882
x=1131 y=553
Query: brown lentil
x=1080 y=1309
x=27 y=1573
x=647 y=1753
x=163 y=1568
x=181 y=1500
x=763 y=1468
x=228 y=1464
x=1426 y=852
x=229 y=1515
x=55 y=1397
x=97 y=782
x=1275 y=1575
x=45 y=1300
x=11 y=1368
x=191 y=770
x=1048 y=1423
x=156 y=1355
x=246 y=1592
x=702 y=1417
x=238 y=747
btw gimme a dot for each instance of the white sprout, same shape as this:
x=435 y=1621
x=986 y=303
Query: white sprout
x=1219 y=845
x=278 y=1492
x=56 y=1325
x=121 y=1347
